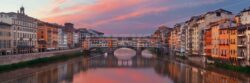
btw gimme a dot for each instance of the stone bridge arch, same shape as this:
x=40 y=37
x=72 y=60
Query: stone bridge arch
x=111 y=50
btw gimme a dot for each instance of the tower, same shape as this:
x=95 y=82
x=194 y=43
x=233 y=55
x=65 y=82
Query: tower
x=22 y=10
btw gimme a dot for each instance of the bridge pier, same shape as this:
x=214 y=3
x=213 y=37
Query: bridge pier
x=111 y=51
x=138 y=51
x=86 y=52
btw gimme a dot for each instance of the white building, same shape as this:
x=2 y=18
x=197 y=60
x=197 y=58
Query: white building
x=245 y=16
x=76 y=39
x=62 y=39
x=23 y=31
x=244 y=36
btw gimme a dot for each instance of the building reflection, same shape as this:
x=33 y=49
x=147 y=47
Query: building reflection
x=112 y=61
x=64 y=72
x=182 y=73
x=52 y=73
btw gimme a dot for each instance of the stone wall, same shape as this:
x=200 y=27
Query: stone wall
x=10 y=59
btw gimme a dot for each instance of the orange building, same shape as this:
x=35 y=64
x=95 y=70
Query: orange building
x=224 y=46
x=208 y=42
x=233 y=43
x=221 y=40
x=47 y=35
x=85 y=45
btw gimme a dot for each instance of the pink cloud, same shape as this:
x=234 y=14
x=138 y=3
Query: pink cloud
x=138 y=13
x=60 y=1
x=88 y=11
x=97 y=11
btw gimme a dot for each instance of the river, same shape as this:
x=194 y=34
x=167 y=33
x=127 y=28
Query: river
x=98 y=68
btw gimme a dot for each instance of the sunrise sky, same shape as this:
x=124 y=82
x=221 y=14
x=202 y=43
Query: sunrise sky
x=120 y=16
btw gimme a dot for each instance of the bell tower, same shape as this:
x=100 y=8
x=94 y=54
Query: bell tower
x=22 y=10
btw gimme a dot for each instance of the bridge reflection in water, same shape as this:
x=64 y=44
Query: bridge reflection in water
x=101 y=69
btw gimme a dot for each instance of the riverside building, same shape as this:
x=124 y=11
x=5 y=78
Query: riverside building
x=23 y=31
x=5 y=38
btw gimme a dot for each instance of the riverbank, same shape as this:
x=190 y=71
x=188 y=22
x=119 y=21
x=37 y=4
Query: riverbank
x=11 y=59
x=59 y=57
x=230 y=69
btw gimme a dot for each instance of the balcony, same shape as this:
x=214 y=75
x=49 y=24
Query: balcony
x=241 y=57
x=242 y=44
x=241 y=35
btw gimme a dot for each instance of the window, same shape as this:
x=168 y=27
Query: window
x=218 y=14
x=1 y=44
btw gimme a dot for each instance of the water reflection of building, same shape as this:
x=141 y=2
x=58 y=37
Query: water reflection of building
x=62 y=72
x=112 y=62
x=181 y=73
x=66 y=71
x=47 y=76
x=52 y=73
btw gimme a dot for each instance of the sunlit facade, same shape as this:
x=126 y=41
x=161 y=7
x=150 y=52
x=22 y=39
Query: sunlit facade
x=47 y=36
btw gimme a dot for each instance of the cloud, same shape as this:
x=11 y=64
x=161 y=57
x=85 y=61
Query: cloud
x=81 y=12
x=137 y=13
x=107 y=12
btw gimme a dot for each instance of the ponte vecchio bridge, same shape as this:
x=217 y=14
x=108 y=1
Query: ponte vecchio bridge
x=113 y=43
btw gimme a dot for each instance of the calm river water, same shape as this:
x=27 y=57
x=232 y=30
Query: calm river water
x=112 y=69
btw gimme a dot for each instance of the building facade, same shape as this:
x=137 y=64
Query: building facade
x=69 y=30
x=47 y=36
x=244 y=43
x=244 y=36
x=221 y=41
x=23 y=31
x=84 y=33
x=76 y=38
x=5 y=39
x=245 y=16
x=62 y=39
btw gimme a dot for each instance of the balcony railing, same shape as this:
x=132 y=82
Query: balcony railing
x=242 y=44
x=241 y=35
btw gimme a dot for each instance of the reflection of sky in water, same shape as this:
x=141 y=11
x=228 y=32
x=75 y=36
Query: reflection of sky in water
x=120 y=75
x=124 y=53
x=127 y=53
